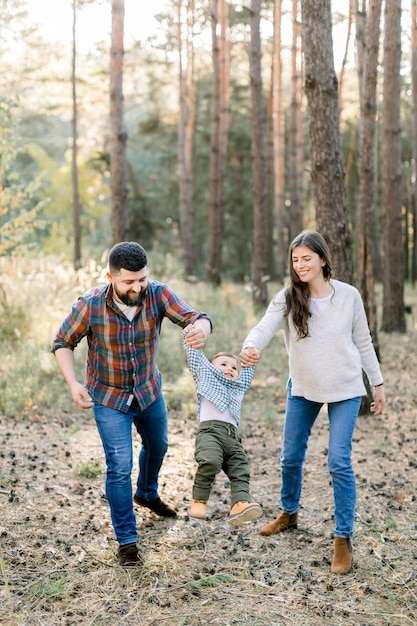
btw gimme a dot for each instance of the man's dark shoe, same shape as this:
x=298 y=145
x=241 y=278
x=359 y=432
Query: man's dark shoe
x=156 y=506
x=128 y=555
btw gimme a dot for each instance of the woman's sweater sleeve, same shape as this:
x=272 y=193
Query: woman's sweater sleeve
x=363 y=341
x=273 y=321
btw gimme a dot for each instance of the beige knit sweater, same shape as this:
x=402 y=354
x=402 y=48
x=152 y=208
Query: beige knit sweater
x=327 y=365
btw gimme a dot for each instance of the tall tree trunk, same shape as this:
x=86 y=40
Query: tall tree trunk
x=393 y=300
x=76 y=209
x=300 y=132
x=278 y=140
x=260 y=206
x=353 y=149
x=224 y=96
x=327 y=164
x=296 y=210
x=367 y=166
x=118 y=133
x=218 y=139
x=346 y=52
x=360 y=10
x=187 y=113
x=414 y=91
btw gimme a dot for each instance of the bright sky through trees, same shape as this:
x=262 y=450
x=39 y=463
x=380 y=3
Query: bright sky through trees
x=94 y=21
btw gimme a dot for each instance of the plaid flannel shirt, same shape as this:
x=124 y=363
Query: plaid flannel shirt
x=211 y=383
x=121 y=359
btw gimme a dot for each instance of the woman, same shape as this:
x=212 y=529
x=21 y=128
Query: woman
x=328 y=344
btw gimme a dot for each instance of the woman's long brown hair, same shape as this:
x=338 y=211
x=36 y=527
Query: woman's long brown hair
x=297 y=295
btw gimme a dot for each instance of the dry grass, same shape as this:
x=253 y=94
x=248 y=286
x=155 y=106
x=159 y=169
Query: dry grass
x=58 y=555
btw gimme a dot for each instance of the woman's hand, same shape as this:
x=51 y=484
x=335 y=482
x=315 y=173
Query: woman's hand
x=378 y=405
x=249 y=356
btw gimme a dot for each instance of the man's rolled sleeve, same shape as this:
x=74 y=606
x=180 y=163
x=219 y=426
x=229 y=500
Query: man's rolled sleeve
x=178 y=311
x=73 y=328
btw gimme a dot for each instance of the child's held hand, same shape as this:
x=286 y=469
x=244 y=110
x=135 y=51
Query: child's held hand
x=194 y=337
x=249 y=356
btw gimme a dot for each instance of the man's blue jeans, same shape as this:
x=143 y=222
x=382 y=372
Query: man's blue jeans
x=299 y=419
x=115 y=429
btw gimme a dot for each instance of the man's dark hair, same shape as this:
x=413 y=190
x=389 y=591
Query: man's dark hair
x=127 y=255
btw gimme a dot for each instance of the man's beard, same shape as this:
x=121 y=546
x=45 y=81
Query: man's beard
x=132 y=300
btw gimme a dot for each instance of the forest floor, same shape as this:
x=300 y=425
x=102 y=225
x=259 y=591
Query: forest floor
x=58 y=554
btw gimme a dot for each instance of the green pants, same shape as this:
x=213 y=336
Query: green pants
x=218 y=447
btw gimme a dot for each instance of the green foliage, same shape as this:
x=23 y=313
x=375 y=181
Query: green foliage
x=19 y=209
x=210 y=581
x=8 y=136
x=38 y=193
x=153 y=182
x=49 y=588
x=56 y=195
x=238 y=218
x=36 y=187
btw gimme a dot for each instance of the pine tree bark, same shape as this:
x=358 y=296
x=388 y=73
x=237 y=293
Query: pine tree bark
x=393 y=318
x=76 y=208
x=118 y=133
x=414 y=96
x=260 y=206
x=327 y=163
x=367 y=240
x=186 y=128
x=278 y=141
x=218 y=139
x=295 y=175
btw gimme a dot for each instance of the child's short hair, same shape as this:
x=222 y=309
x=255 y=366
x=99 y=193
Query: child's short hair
x=229 y=354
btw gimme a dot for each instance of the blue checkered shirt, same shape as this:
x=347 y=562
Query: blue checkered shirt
x=211 y=383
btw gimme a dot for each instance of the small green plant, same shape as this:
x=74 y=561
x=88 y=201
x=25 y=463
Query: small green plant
x=89 y=471
x=390 y=523
x=211 y=581
x=48 y=588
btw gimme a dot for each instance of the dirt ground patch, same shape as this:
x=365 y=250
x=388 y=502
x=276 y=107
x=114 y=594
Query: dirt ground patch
x=58 y=554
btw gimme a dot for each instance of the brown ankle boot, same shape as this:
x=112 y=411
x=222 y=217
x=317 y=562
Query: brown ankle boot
x=198 y=509
x=343 y=555
x=243 y=512
x=128 y=555
x=284 y=521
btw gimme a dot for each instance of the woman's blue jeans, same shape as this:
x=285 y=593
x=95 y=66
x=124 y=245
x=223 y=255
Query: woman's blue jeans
x=299 y=419
x=115 y=429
